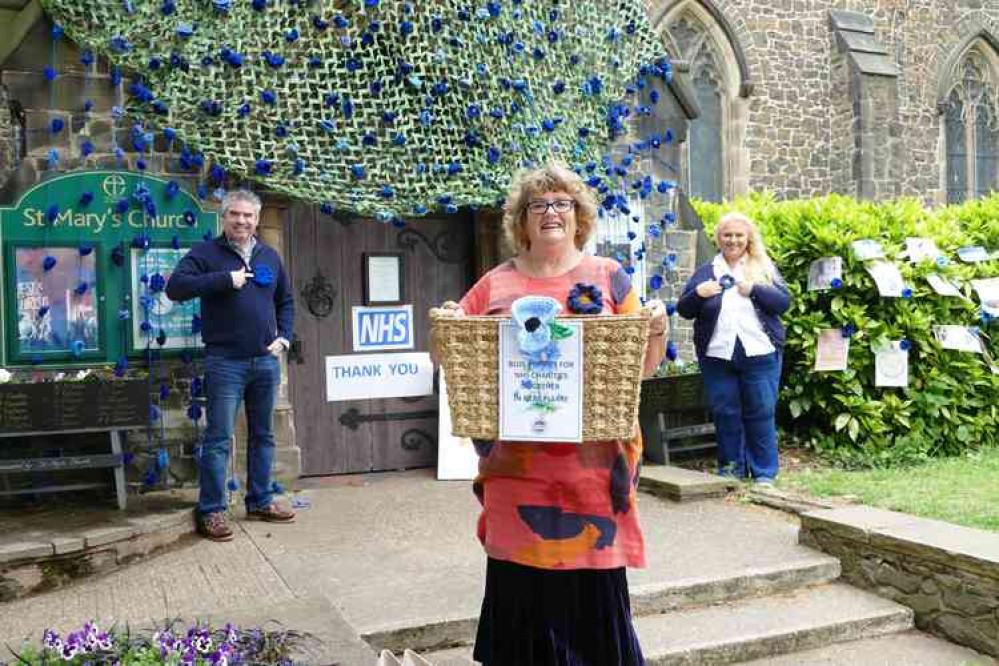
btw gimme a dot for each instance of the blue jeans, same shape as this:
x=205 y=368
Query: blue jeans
x=743 y=396
x=227 y=383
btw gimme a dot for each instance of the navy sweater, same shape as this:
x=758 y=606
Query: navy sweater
x=236 y=323
x=769 y=301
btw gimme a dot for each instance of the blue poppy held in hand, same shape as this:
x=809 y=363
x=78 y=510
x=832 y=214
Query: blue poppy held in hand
x=263 y=275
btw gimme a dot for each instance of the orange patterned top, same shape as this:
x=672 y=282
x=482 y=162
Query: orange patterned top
x=559 y=506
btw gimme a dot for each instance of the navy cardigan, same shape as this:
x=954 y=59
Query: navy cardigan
x=236 y=323
x=770 y=302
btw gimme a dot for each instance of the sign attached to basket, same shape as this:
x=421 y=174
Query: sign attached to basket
x=541 y=397
x=382 y=328
x=371 y=376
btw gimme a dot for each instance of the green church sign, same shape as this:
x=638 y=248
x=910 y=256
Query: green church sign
x=85 y=257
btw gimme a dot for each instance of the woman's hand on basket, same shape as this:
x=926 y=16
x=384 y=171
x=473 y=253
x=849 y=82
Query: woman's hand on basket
x=448 y=309
x=658 y=323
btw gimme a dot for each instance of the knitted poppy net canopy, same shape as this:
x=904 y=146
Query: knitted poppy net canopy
x=383 y=107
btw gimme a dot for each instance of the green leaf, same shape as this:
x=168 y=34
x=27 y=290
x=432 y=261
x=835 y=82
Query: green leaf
x=841 y=421
x=795 y=408
x=559 y=332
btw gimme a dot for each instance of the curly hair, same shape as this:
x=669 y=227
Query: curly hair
x=552 y=177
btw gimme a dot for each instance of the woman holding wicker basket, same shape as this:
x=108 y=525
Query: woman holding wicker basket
x=559 y=521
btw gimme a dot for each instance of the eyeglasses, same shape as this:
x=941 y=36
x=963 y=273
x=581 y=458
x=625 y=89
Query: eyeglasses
x=559 y=206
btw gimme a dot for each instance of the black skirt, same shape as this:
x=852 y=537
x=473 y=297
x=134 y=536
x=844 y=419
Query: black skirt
x=542 y=617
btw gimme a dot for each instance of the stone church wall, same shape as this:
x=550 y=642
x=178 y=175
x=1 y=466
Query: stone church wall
x=796 y=138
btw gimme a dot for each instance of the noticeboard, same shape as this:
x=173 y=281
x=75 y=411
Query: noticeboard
x=71 y=245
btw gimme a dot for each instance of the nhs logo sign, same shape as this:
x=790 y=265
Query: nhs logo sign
x=381 y=328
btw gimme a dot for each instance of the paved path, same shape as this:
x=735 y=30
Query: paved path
x=376 y=552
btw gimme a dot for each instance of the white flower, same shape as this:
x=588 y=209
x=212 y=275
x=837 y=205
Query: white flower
x=83 y=374
x=5 y=376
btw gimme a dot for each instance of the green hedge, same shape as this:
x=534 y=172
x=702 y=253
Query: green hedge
x=952 y=403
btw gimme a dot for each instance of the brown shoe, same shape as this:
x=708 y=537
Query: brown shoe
x=214 y=526
x=272 y=514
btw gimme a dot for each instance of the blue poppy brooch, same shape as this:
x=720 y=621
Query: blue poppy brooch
x=586 y=299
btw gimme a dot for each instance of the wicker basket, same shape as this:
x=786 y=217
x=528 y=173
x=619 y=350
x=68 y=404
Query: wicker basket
x=614 y=351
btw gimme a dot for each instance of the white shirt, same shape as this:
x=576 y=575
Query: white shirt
x=737 y=318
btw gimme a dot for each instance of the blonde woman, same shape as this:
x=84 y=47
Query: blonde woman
x=736 y=301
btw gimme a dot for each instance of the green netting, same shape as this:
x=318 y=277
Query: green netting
x=386 y=108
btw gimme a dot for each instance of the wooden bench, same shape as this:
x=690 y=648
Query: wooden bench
x=115 y=461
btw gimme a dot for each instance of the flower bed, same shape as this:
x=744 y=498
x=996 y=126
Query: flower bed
x=198 y=644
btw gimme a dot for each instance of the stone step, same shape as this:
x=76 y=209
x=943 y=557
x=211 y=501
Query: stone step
x=681 y=485
x=755 y=628
x=646 y=599
x=911 y=648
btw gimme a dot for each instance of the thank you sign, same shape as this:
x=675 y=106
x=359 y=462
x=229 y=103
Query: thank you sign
x=541 y=398
x=371 y=376
x=383 y=328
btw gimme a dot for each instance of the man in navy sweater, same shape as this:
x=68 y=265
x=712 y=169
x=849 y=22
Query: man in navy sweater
x=247 y=311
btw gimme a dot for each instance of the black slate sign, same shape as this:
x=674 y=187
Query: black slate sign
x=53 y=406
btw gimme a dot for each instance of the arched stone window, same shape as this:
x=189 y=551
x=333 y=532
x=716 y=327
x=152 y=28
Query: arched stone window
x=714 y=162
x=971 y=128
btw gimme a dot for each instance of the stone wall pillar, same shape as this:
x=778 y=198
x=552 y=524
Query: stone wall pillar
x=873 y=90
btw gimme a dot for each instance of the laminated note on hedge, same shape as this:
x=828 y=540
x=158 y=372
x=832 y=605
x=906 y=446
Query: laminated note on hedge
x=887 y=278
x=958 y=338
x=943 y=286
x=867 y=249
x=973 y=254
x=891 y=366
x=917 y=249
x=832 y=350
x=825 y=273
x=988 y=294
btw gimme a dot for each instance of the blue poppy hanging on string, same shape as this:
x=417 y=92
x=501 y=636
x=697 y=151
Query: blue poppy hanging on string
x=150 y=478
x=49 y=262
x=118 y=255
x=161 y=338
x=157 y=283
x=85 y=249
x=194 y=412
x=52 y=213
x=120 y=366
x=81 y=288
x=42 y=311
